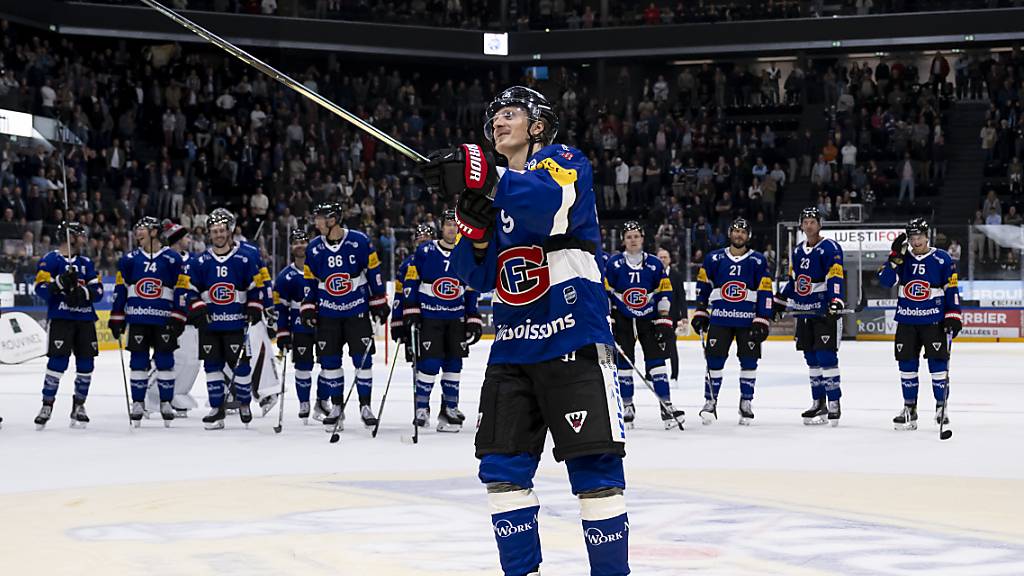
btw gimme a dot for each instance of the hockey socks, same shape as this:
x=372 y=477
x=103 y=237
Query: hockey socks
x=55 y=367
x=909 y=380
x=659 y=378
x=599 y=482
x=303 y=383
x=450 y=389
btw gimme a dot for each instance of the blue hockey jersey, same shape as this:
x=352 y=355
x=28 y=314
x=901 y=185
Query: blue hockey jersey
x=226 y=285
x=738 y=288
x=144 y=287
x=543 y=260
x=399 y=300
x=927 y=287
x=343 y=278
x=432 y=288
x=637 y=291
x=290 y=290
x=53 y=265
x=816 y=277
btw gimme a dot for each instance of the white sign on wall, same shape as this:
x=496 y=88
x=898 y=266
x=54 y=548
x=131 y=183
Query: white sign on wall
x=852 y=240
x=496 y=44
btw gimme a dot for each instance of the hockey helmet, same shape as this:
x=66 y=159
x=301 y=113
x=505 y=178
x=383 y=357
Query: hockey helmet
x=298 y=235
x=632 y=225
x=448 y=216
x=917 y=226
x=148 y=222
x=218 y=218
x=740 y=224
x=328 y=209
x=811 y=212
x=536 y=107
x=72 y=228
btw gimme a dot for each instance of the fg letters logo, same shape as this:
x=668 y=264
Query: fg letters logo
x=803 y=285
x=446 y=288
x=635 y=298
x=222 y=293
x=338 y=284
x=523 y=275
x=734 y=291
x=917 y=290
x=150 y=288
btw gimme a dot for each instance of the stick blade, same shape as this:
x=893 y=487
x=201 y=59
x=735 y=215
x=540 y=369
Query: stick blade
x=335 y=437
x=945 y=435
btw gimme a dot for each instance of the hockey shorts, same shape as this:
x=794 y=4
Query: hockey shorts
x=626 y=338
x=302 y=347
x=67 y=336
x=443 y=338
x=142 y=337
x=574 y=396
x=818 y=333
x=910 y=338
x=721 y=337
x=355 y=331
x=220 y=346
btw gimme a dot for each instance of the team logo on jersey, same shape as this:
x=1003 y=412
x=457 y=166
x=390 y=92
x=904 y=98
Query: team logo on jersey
x=576 y=420
x=734 y=291
x=222 y=293
x=338 y=284
x=148 y=288
x=917 y=290
x=523 y=275
x=803 y=285
x=446 y=288
x=635 y=298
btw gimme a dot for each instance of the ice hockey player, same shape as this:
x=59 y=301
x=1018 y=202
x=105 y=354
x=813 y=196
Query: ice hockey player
x=66 y=280
x=927 y=316
x=815 y=293
x=530 y=233
x=342 y=272
x=289 y=292
x=734 y=280
x=641 y=297
x=144 y=303
x=424 y=233
x=224 y=293
x=443 y=312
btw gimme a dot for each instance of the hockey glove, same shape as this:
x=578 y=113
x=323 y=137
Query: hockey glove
x=379 y=307
x=474 y=329
x=307 y=314
x=77 y=296
x=197 y=314
x=116 y=325
x=284 y=340
x=411 y=319
x=175 y=323
x=759 y=330
x=836 y=307
x=474 y=214
x=952 y=323
x=664 y=334
x=779 y=305
x=398 y=332
x=897 y=250
x=254 y=313
x=450 y=171
x=67 y=281
x=701 y=319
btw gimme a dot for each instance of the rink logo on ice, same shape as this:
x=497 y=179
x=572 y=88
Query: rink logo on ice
x=222 y=293
x=505 y=528
x=576 y=420
x=523 y=275
x=338 y=284
x=595 y=537
x=917 y=290
x=446 y=288
x=803 y=285
x=635 y=298
x=734 y=291
x=149 y=288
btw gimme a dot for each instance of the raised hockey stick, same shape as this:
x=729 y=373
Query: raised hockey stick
x=335 y=437
x=664 y=407
x=285 y=79
x=944 y=432
x=380 y=411
x=280 y=401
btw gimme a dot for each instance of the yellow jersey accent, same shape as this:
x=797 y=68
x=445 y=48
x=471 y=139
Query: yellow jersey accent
x=953 y=281
x=118 y=279
x=398 y=286
x=374 y=261
x=563 y=176
x=307 y=273
x=607 y=286
x=412 y=273
x=184 y=281
x=265 y=275
x=766 y=284
x=665 y=285
x=702 y=275
x=277 y=298
x=836 y=271
x=43 y=276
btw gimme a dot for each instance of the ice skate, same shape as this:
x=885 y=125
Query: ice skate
x=817 y=413
x=230 y=402
x=245 y=414
x=746 y=414
x=167 y=413
x=366 y=414
x=268 y=402
x=941 y=415
x=709 y=413
x=304 y=412
x=628 y=415
x=422 y=418
x=79 y=419
x=336 y=416
x=44 y=415
x=215 y=419
x=136 y=413
x=671 y=417
x=448 y=420
x=182 y=403
x=834 y=413
x=907 y=419
x=321 y=409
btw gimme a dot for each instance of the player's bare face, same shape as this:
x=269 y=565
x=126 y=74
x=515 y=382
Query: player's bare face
x=666 y=260
x=811 y=227
x=321 y=224
x=509 y=126
x=299 y=250
x=738 y=238
x=449 y=230
x=634 y=241
x=918 y=243
x=142 y=235
x=219 y=236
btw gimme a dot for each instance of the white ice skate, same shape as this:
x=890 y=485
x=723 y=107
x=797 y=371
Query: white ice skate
x=79 y=419
x=941 y=416
x=321 y=409
x=746 y=414
x=450 y=420
x=906 y=419
x=628 y=415
x=367 y=416
x=45 y=413
x=422 y=417
x=136 y=413
x=215 y=419
x=671 y=417
x=167 y=413
x=336 y=416
x=816 y=414
x=304 y=412
x=709 y=413
x=834 y=412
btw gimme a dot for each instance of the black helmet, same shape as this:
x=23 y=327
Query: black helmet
x=740 y=224
x=328 y=210
x=424 y=231
x=536 y=106
x=147 y=222
x=632 y=225
x=72 y=228
x=448 y=215
x=917 y=226
x=298 y=234
x=224 y=216
x=811 y=212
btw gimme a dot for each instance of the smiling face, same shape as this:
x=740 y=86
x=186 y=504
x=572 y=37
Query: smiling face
x=510 y=130
x=918 y=243
x=219 y=235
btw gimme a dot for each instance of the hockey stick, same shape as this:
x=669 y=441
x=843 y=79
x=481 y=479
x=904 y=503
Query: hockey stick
x=414 y=336
x=124 y=378
x=946 y=433
x=280 y=401
x=707 y=370
x=650 y=386
x=380 y=411
x=335 y=437
x=285 y=79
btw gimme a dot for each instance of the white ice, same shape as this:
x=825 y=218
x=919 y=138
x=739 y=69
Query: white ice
x=777 y=497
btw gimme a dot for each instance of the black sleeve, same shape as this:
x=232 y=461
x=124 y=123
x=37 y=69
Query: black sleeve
x=679 y=304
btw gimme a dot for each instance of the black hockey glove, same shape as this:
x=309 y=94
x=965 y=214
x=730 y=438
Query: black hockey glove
x=254 y=313
x=197 y=314
x=897 y=250
x=116 y=325
x=779 y=305
x=67 y=281
x=450 y=171
x=77 y=296
x=701 y=319
x=284 y=340
x=759 y=330
x=836 y=307
x=664 y=333
x=307 y=314
x=474 y=214
x=379 y=307
x=175 y=323
x=411 y=318
x=952 y=323
x=398 y=331
x=474 y=329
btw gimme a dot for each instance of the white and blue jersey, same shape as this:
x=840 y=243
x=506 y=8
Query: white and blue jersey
x=816 y=277
x=927 y=287
x=144 y=287
x=290 y=290
x=343 y=278
x=226 y=284
x=53 y=265
x=431 y=287
x=543 y=262
x=738 y=288
x=637 y=291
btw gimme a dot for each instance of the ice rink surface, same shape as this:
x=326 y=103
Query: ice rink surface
x=777 y=497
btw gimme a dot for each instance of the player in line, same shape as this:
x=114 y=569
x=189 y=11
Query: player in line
x=289 y=291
